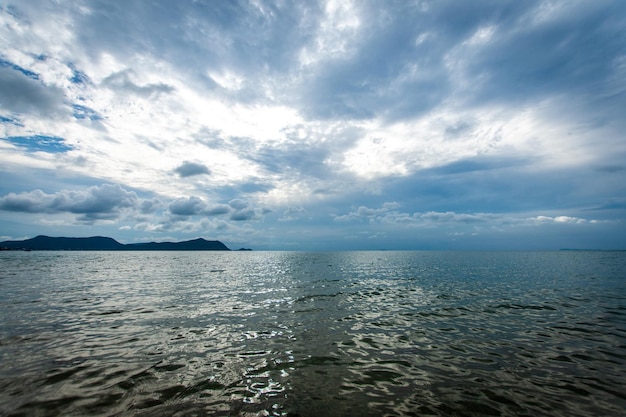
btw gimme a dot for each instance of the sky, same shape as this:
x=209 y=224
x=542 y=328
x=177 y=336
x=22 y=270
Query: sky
x=316 y=125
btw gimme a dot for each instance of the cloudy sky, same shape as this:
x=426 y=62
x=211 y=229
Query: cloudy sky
x=316 y=125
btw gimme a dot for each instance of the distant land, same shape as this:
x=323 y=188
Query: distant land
x=107 y=243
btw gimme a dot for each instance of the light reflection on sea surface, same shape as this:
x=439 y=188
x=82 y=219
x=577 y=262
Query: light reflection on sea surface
x=292 y=333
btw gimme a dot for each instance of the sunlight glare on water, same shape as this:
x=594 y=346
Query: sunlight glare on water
x=296 y=333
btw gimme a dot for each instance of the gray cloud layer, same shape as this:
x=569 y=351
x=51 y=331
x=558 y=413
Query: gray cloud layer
x=462 y=114
x=94 y=203
x=189 y=169
x=22 y=94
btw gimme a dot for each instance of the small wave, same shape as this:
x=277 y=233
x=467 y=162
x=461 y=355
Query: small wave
x=524 y=307
x=314 y=297
x=407 y=334
x=106 y=313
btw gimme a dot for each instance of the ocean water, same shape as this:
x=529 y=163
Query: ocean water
x=313 y=334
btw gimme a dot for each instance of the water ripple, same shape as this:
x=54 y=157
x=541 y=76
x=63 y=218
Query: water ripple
x=306 y=334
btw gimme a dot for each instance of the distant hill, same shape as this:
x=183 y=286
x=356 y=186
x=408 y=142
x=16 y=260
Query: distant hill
x=107 y=243
x=196 y=244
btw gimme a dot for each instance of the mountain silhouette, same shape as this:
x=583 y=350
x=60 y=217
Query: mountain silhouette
x=107 y=243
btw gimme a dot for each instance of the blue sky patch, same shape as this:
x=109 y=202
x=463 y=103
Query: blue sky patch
x=29 y=74
x=40 y=143
x=83 y=112
x=10 y=120
x=318 y=125
x=78 y=77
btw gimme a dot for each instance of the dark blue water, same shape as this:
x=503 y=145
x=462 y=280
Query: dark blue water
x=310 y=334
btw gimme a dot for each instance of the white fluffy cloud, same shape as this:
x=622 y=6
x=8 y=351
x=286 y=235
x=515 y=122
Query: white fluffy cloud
x=94 y=203
x=312 y=115
x=388 y=215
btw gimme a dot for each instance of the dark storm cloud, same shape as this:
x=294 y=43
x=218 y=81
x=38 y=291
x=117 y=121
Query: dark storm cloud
x=187 y=206
x=94 y=203
x=243 y=214
x=432 y=114
x=20 y=93
x=238 y=209
x=404 y=59
x=243 y=211
x=257 y=38
x=189 y=169
x=150 y=206
x=571 y=51
x=238 y=204
x=195 y=206
x=408 y=59
x=216 y=210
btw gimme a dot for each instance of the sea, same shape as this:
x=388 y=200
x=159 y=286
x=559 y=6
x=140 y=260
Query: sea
x=313 y=333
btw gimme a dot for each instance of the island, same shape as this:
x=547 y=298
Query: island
x=108 y=244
